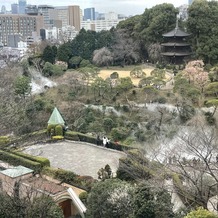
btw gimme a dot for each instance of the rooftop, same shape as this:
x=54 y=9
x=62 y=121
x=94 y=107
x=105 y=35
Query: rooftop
x=44 y=185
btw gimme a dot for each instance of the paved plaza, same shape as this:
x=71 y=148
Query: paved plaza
x=79 y=157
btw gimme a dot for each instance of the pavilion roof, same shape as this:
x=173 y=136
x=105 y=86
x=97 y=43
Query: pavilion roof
x=177 y=32
x=56 y=118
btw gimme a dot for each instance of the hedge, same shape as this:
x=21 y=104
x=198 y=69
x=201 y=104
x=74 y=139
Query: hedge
x=69 y=177
x=42 y=160
x=71 y=136
x=16 y=160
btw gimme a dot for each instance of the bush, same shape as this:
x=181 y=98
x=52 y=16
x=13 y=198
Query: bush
x=125 y=108
x=83 y=197
x=114 y=75
x=160 y=100
x=209 y=118
x=119 y=133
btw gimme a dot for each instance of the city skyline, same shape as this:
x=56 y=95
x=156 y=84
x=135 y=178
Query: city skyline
x=126 y=7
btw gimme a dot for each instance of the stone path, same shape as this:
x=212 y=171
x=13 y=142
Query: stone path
x=81 y=158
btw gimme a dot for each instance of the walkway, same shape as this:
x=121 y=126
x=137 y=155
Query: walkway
x=79 y=157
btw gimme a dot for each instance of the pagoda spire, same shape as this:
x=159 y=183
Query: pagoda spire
x=177 y=21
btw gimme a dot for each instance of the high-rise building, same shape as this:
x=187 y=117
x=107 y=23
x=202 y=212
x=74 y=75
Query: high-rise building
x=89 y=14
x=14 y=8
x=22 y=6
x=74 y=16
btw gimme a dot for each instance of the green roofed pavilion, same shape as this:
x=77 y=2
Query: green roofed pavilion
x=56 y=118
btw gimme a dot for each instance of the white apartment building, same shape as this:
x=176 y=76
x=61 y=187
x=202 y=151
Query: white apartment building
x=111 y=20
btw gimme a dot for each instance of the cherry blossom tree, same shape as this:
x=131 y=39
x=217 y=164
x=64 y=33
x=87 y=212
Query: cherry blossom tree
x=194 y=72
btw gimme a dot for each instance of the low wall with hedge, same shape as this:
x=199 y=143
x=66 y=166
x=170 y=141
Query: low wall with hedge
x=16 y=160
x=76 y=136
x=42 y=160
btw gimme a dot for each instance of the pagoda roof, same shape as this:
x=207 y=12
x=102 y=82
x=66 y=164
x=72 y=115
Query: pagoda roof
x=177 y=54
x=56 y=118
x=176 y=44
x=177 y=32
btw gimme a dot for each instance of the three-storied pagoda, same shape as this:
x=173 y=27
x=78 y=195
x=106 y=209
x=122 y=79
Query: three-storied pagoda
x=176 y=47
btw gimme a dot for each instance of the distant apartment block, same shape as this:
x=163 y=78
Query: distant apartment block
x=89 y=14
x=24 y=26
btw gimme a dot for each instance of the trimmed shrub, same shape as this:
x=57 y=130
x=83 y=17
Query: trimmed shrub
x=59 y=130
x=50 y=129
x=16 y=160
x=58 y=137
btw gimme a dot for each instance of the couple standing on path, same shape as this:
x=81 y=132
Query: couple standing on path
x=105 y=141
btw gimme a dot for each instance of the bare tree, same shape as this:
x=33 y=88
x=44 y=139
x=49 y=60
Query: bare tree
x=125 y=50
x=102 y=57
x=192 y=159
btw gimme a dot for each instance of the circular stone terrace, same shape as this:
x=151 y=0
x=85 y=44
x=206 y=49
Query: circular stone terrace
x=79 y=157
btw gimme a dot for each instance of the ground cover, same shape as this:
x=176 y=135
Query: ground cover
x=105 y=73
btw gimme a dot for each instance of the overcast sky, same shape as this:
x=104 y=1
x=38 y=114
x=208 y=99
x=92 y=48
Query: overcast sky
x=127 y=7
